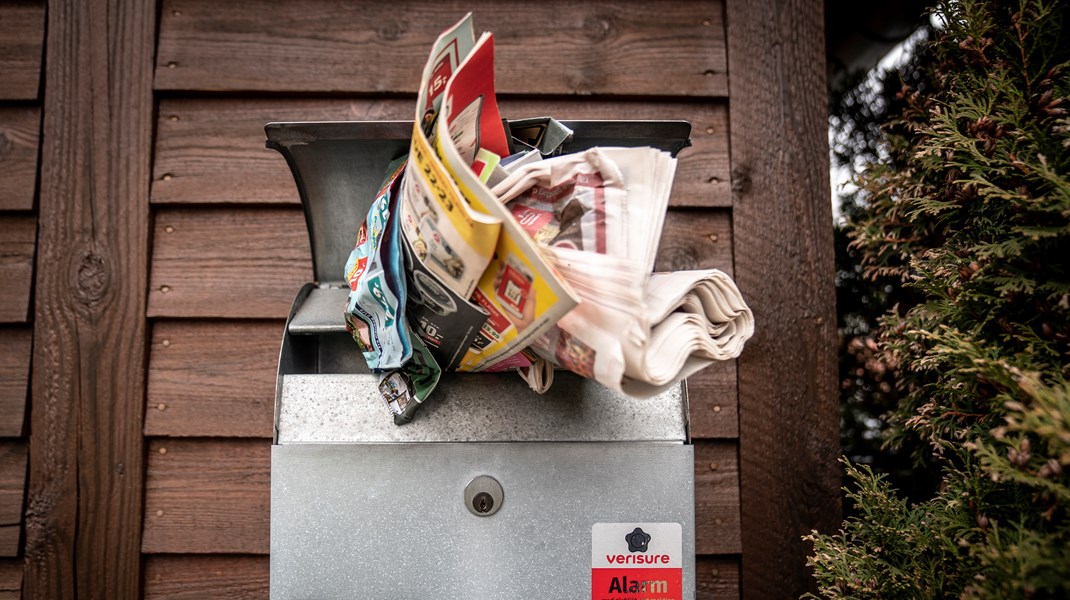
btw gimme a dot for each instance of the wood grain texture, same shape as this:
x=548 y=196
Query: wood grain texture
x=335 y=45
x=10 y=579
x=717 y=577
x=696 y=239
x=228 y=262
x=22 y=37
x=20 y=128
x=717 y=524
x=212 y=378
x=206 y=577
x=212 y=150
x=15 y=348
x=713 y=401
x=12 y=489
x=207 y=496
x=84 y=501
x=18 y=235
x=782 y=222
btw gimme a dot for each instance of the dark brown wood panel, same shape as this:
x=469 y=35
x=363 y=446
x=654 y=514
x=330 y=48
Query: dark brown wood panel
x=717 y=577
x=212 y=151
x=22 y=38
x=550 y=47
x=10 y=579
x=788 y=406
x=12 y=489
x=696 y=239
x=20 y=128
x=86 y=455
x=713 y=399
x=212 y=378
x=18 y=235
x=15 y=347
x=207 y=496
x=228 y=262
x=717 y=524
x=206 y=577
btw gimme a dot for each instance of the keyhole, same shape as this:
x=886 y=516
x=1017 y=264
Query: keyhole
x=483 y=496
x=482 y=502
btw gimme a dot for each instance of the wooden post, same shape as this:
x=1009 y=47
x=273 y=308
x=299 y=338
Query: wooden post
x=83 y=521
x=782 y=225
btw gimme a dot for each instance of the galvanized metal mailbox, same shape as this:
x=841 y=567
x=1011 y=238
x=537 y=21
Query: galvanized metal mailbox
x=492 y=491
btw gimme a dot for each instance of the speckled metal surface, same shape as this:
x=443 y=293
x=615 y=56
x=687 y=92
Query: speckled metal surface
x=389 y=520
x=468 y=408
x=321 y=313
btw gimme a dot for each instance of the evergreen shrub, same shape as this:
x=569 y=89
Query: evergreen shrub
x=970 y=210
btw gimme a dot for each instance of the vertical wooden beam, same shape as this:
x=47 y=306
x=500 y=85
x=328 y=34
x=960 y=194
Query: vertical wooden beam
x=83 y=523
x=782 y=226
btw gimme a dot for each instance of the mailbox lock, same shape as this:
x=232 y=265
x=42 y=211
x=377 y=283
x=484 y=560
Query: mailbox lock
x=483 y=496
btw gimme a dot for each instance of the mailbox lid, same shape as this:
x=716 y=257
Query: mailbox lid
x=345 y=525
x=485 y=407
x=339 y=165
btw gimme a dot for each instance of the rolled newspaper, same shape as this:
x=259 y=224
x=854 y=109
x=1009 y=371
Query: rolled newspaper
x=597 y=217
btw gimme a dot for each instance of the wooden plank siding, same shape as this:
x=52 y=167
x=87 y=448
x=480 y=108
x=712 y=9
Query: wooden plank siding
x=86 y=454
x=22 y=34
x=195 y=577
x=205 y=496
x=193 y=390
x=12 y=488
x=10 y=579
x=15 y=347
x=18 y=235
x=22 y=27
x=236 y=262
x=212 y=378
x=552 y=47
x=20 y=127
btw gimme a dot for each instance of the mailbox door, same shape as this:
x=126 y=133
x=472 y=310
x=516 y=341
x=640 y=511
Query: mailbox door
x=391 y=520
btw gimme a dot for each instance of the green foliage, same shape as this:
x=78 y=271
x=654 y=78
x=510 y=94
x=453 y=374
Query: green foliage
x=970 y=210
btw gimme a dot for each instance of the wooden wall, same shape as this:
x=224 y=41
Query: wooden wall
x=22 y=34
x=208 y=246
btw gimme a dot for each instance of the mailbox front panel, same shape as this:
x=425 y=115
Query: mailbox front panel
x=392 y=520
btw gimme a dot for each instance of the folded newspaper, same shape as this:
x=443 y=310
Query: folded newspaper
x=551 y=268
x=597 y=216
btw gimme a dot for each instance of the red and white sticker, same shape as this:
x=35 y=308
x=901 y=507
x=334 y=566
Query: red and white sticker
x=636 y=561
